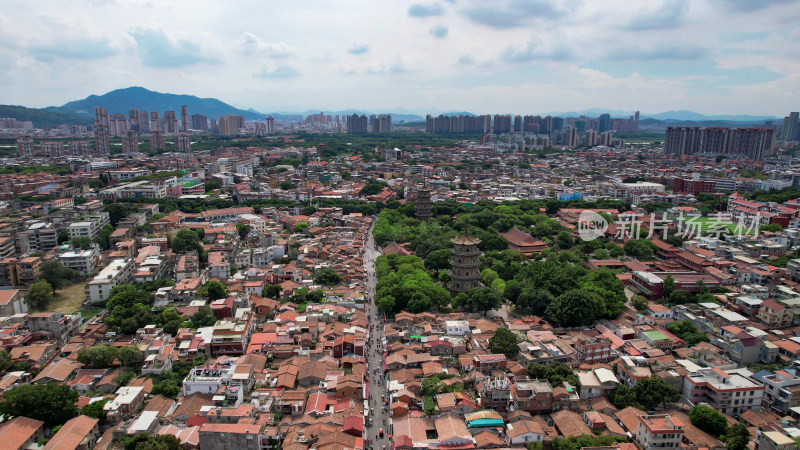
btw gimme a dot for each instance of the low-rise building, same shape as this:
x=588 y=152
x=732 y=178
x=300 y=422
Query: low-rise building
x=729 y=392
x=82 y=261
x=659 y=432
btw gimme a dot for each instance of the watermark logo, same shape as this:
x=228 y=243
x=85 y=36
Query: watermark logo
x=591 y=225
x=721 y=226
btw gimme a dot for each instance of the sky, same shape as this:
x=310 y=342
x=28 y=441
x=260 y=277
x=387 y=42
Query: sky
x=481 y=56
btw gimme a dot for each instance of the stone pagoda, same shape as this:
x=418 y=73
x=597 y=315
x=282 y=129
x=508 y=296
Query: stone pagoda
x=464 y=274
x=423 y=203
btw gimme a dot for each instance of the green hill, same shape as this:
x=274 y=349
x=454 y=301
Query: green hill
x=121 y=100
x=43 y=118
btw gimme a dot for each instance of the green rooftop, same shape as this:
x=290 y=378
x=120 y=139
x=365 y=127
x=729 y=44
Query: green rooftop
x=656 y=335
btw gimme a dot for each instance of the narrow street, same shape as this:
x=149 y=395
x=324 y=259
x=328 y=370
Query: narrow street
x=378 y=412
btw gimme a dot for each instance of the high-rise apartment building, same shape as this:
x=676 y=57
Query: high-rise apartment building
x=199 y=122
x=747 y=142
x=130 y=143
x=183 y=143
x=791 y=127
x=170 y=122
x=79 y=148
x=270 y=123
x=230 y=125
x=157 y=141
x=382 y=124
x=502 y=124
x=101 y=137
x=25 y=145
x=517 y=124
x=154 y=121
x=682 y=140
x=604 y=123
x=52 y=149
x=184 y=118
x=357 y=124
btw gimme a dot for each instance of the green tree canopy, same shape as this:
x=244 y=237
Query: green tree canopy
x=504 y=341
x=213 y=289
x=39 y=295
x=57 y=275
x=98 y=356
x=575 y=307
x=242 y=229
x=708 y=419
x=653 y=392
x=186 y=240
x=204 y=317
x=327 y=277
x=51 y=403
x=130 y=356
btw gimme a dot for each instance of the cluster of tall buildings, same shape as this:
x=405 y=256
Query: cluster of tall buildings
x=500 y=123
x=50 y=149
x=10 y=123
x=748 y=142
x=229 y=125
x=361 y=124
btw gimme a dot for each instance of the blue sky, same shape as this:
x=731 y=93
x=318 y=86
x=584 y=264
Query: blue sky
x=483 y=56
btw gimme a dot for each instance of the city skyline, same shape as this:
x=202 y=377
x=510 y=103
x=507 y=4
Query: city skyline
x=711 y=56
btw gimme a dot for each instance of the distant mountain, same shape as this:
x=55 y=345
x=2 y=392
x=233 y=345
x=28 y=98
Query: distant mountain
x=592 y=112
x=650 y=124
x=121 y=100
x=42 y=118
x=396 y=116
x=690 y=115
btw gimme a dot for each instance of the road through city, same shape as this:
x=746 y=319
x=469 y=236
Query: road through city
x=377 y=417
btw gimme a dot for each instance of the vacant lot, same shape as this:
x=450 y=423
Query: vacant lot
x=69 y=299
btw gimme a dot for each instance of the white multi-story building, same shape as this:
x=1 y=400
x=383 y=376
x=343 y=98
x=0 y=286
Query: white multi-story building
x=208 y=378
x=81 y=261
x=457 y=327
x=659 y=432
x=118 y=272
x=729 y=392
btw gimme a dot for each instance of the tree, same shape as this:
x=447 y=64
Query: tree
x=737 y=437
x=98 y=356
x=772 y=228
x=639 y=248
x=622 y=396
x=51 y=403
x=575 y=307
x=271 y=291
x=215 y=290
x=315 y=296
x=488 y=276
x=95 y=410
x=243 y=230
x=212 y=184
x=512 y=291
x=116 y=212
x=300 y=227
x=105 y=233
x=186 y=240
x=438 y=259
x=565 y=239
x=286 y=185
x=204 y=317
x=668 y=286
x=328 y=277
x=708 y=419
x=144 y=441
x=504 y=341
x=652 y=392
x=56 y=274
x=484 y=299
x=130 y=356
x=555 y=373
x=688 y=332
x=40 y=294
x=640 y=303
x=83 y=243
x=5 y=360
x=680 y=297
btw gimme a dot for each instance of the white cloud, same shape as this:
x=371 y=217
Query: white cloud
x=252 y=45
x=158 y=48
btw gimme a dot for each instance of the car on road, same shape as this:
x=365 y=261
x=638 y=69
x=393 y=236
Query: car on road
x=380 y=433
